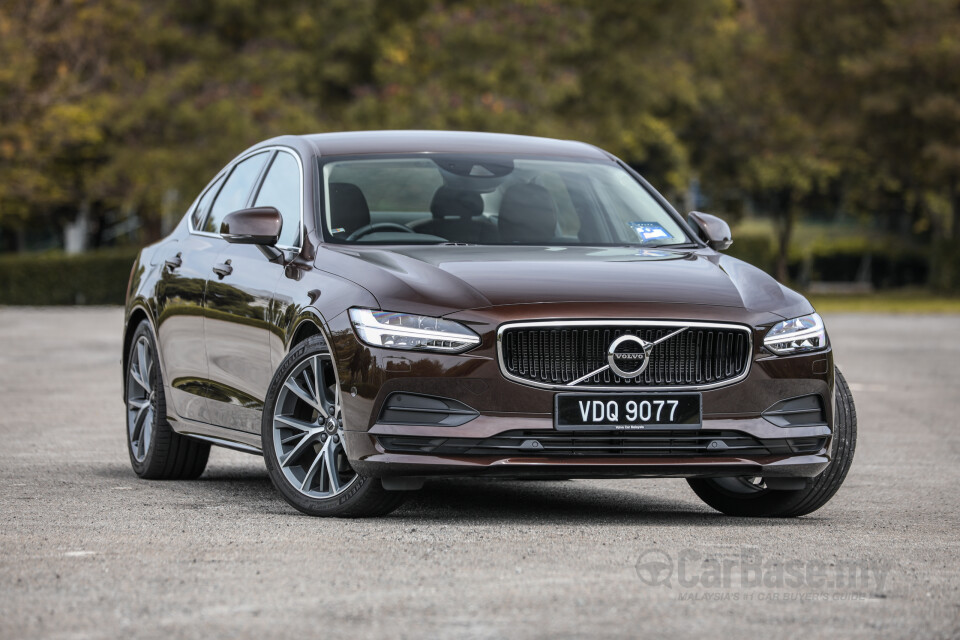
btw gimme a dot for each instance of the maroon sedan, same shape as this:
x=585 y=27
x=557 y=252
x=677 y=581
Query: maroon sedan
x=368 y=310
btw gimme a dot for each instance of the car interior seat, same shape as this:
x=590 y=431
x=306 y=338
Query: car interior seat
x=528 y=213
x=458 y=217
x=348 y=209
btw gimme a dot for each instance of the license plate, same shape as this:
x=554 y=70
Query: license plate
x=626 y=412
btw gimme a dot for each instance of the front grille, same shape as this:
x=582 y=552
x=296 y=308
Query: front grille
x=555 y=354
x=651 y=444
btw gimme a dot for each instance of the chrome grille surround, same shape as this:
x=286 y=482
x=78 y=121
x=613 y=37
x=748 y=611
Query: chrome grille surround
x=622 y=326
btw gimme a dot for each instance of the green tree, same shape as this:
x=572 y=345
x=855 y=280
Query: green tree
x=644 y=79
x=766 y=131
x=119 y=108
x=606 y=72
x=63 y=63
x=476 y=66
x=909 y=111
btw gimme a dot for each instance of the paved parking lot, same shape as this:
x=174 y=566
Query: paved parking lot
x=88 y=550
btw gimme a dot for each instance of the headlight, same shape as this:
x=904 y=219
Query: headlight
x=407 y=331
x=797 y=335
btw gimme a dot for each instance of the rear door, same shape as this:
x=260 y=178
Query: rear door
x=179 y=295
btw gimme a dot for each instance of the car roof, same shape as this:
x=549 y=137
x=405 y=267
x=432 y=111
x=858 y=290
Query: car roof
x=375 y=142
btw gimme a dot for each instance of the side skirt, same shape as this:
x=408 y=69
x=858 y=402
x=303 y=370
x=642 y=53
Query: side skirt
x=220 y=436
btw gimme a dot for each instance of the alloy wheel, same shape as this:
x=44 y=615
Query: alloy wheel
x=141 y=398
x=308 y=430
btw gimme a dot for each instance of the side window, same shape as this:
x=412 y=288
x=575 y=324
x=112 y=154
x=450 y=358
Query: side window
x=235 y=191
x=200 y=212
x=281 y=189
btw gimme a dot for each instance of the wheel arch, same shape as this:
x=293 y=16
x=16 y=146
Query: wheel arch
x=311 y=323
x=308 y=322
x=306 y=327
x=138 y=313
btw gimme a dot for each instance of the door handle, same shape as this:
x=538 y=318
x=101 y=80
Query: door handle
x=222 y=270
x=173 y=263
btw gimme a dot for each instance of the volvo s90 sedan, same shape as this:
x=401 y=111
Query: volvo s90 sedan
x=368 y=310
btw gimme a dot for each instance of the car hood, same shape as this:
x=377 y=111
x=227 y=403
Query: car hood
x=442 y=279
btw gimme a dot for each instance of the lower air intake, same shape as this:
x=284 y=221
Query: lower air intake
x=678 y=444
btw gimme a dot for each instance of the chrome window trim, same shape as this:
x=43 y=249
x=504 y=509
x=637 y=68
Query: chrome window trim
x=622 y=323
x=227 y=169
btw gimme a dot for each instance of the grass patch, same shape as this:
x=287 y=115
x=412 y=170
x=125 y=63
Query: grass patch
x=897 y=301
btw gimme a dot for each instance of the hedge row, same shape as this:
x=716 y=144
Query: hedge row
x=54 y=278
x=841 y=260
x=945 y=266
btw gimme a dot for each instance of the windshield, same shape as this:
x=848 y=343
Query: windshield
x=491 y=200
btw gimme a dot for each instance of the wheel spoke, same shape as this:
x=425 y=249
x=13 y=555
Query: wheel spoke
x=311 y=388
x=338 y=405
x=138 y=380
x=293 y=423
x=138 y=422
x=304 y=395
x=142 y=368
x=317 y=378
x=298 y=449
x=292 y=438
x=146 y=431
x=312 y=471
x=319 y=385
x=330 y=457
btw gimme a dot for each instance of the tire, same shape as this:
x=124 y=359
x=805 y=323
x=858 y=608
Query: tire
x=156 y=451
x=749 y=500
x=302 y=440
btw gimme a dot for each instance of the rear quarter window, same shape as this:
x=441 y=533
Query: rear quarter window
x=203 y=206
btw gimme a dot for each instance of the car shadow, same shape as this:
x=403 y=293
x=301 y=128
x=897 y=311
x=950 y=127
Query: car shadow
x=229 y=484
x=456 y=501
x=552 y=502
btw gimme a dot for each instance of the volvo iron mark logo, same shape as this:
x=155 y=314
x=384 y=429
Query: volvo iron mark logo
x=629 y=356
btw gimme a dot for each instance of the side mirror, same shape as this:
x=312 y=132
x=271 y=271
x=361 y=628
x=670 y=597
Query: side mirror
x=259 y=225
x=714 y=231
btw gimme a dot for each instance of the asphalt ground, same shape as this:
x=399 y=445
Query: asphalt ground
x=88 y=550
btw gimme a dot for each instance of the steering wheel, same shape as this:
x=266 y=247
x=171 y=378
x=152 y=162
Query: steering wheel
x=378 y=226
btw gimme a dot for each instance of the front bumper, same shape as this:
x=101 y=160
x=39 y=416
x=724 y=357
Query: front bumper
x=388 y=450
x=368 y=376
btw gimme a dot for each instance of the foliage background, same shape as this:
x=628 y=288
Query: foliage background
x=820 y=128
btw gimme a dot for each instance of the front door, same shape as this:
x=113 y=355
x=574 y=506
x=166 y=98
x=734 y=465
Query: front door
x=237 y=329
